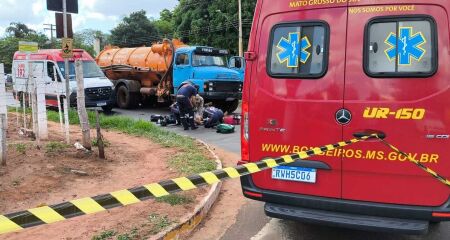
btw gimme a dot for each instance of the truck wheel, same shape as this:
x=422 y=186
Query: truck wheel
x=107 y=109
x=125 y=99
x=232 y=106
x=225 y=106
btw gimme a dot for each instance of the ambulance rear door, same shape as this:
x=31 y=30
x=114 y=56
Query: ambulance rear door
x=397 y=84
x=296 y=90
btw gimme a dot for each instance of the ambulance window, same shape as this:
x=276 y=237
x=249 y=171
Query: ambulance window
x=298 y=50
x=402 y=47
x=51 y=72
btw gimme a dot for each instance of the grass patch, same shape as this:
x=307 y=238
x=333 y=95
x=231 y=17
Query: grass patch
x=188 y=161
x=20 y=110
x=159 y=223
x=21 y=148
x=55 y=147
x=176 y=199
x=105 y=235
x=106 y=143
x=133 y=234
x=191 y=163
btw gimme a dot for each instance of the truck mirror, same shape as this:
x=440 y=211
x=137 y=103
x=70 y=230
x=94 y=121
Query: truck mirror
x=235 y=62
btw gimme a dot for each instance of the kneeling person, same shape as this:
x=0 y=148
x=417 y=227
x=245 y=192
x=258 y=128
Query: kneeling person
x=213 y=117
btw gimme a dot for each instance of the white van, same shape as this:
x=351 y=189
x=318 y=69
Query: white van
x=98 y=88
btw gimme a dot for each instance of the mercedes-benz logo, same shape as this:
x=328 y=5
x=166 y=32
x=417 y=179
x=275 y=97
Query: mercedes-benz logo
x=343 y=116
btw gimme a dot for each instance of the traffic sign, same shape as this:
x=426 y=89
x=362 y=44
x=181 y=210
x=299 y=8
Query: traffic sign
x=57 y=5
x=28 y=47
x=60 y=25
x=67 y=48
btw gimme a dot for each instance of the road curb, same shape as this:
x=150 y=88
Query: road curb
x=190 y=221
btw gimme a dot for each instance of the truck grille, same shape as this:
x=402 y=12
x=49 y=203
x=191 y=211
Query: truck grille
x=100 y=93
x=227 y=86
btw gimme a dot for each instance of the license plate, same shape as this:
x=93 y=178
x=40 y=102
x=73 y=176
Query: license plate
x=101 y=104
x=296 y=174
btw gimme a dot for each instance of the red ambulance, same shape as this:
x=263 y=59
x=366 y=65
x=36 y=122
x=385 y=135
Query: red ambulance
x=323 y=71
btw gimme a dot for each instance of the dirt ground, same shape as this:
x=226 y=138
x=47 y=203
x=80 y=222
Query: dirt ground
x=225 y=210
x=38 y=178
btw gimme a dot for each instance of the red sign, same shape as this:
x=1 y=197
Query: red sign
x=20 y=72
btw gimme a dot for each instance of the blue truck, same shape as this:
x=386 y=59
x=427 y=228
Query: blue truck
x=153 y=73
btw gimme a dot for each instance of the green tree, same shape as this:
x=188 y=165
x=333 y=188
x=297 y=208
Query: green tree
x=133 y=29
x=213 y=22
x=166 y=15
x=88 y=36
x=19 y=30
x=164 y=25
x=85 y=39
x=15 y=33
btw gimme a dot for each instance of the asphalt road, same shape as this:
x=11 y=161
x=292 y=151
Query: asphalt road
x=229 y=142
x=253 y=224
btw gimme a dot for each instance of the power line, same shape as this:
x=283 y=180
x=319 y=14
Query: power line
x=183 y=34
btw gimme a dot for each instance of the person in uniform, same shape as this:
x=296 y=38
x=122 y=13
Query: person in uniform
x=213 y=117
x=186 y=91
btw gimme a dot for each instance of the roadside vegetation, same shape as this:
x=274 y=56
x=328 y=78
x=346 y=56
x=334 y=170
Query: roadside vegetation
x=156 y=223
x=55 y=147
x=21 y=148
x=176 y=199
x=189 y=160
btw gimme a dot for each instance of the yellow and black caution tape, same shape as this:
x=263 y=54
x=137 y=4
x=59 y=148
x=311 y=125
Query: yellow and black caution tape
x=59 y=212
x=420 y=165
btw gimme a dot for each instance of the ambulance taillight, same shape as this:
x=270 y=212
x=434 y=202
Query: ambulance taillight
x=245 y=132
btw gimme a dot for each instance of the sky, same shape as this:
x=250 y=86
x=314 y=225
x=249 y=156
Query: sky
x=101 y=15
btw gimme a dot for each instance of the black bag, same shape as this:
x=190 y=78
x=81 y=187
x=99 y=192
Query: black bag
x=171 y=119
x=155 y=118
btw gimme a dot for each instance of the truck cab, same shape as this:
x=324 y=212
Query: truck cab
x=331 y=70
x=98 y=89
x=208 y=68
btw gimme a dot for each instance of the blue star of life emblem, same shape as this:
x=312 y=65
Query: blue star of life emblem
x=293 y=49
x=408 y=46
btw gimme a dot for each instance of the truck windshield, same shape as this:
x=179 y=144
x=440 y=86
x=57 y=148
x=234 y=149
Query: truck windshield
x=208 y=60
x=90 y=70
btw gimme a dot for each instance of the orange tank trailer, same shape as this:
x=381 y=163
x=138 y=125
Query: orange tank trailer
x=148 y=65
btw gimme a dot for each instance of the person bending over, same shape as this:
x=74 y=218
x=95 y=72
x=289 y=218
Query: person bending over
x=185 y=92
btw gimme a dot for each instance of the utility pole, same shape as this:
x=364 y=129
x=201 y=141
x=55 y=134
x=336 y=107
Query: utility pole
x=52 y=28
x=241 y=47
x=66 y=71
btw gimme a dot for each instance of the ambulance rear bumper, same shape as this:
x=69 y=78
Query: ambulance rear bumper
x=365 y=214
x=347 y=220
